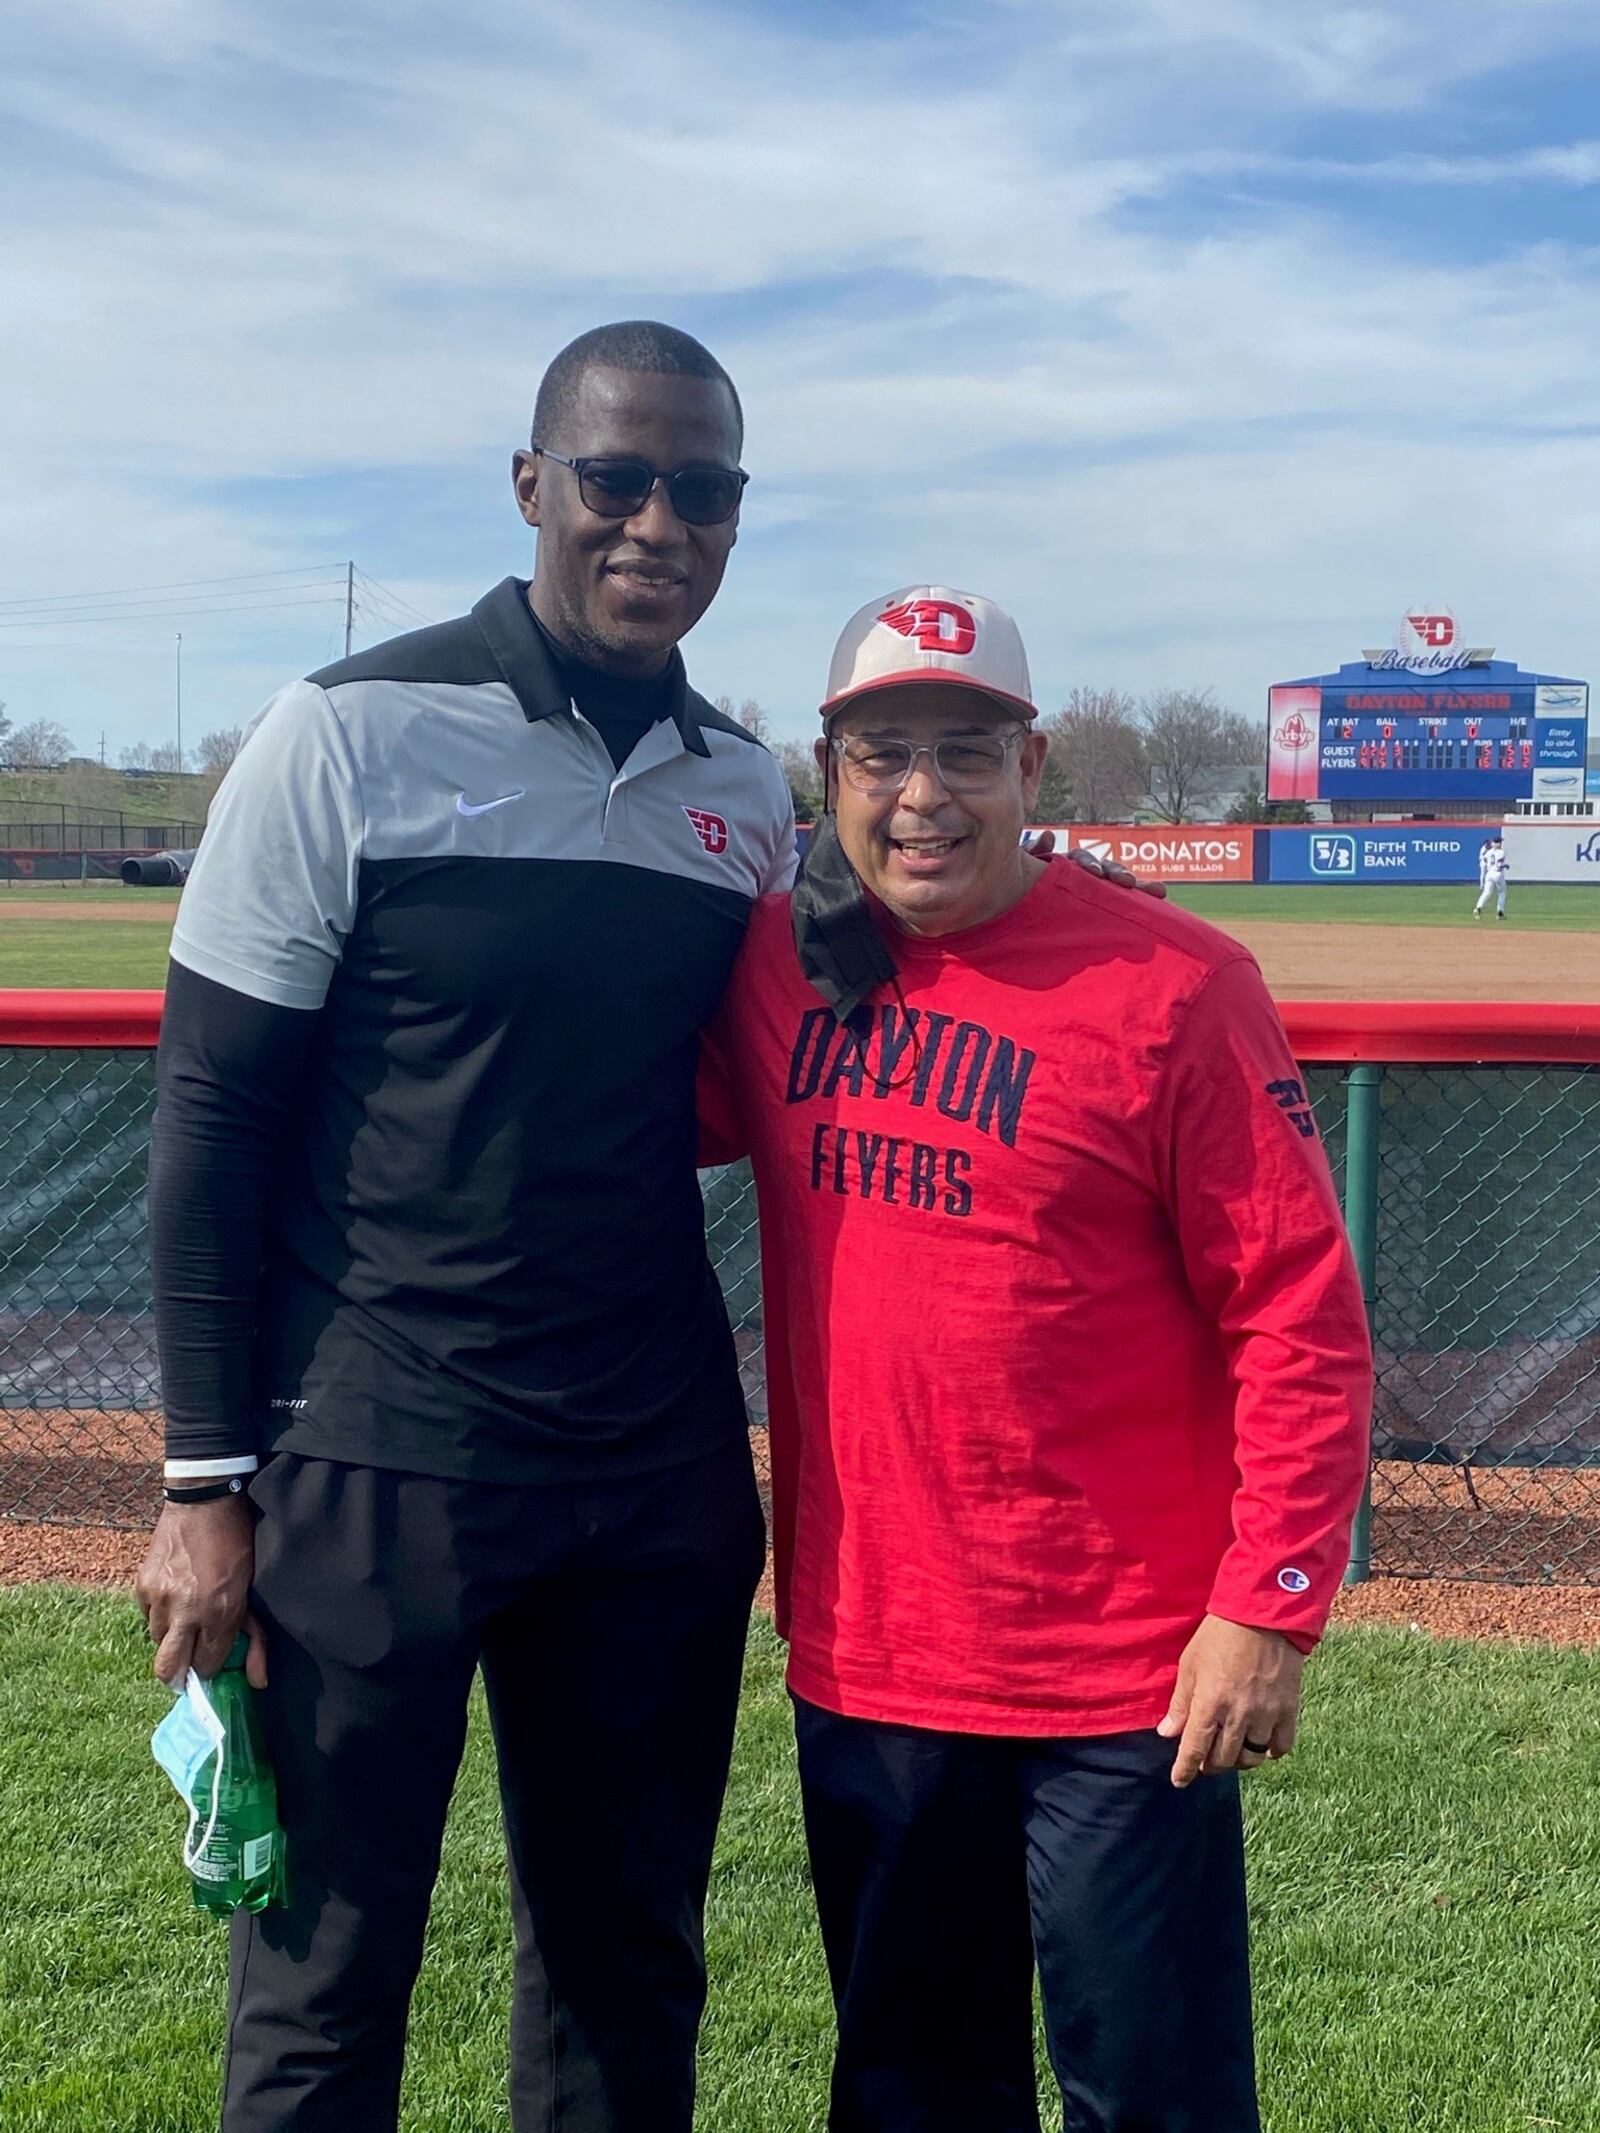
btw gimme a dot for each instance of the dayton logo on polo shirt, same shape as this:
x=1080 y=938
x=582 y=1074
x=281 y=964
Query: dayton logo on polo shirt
x=934 y=625
x=710 y=829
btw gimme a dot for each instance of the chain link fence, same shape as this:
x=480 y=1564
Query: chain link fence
x=96 y=833
x=37 y=851
x=1483 y=1239
x=1480 y=1241
x=80 y=1432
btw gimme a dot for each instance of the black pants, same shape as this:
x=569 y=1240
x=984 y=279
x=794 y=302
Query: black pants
x=948 y=1865
x=610 y=1626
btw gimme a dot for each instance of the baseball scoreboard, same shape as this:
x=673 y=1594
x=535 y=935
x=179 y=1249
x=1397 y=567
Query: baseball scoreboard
x=1431 y=719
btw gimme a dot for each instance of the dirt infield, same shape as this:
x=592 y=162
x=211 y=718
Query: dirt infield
x=1307 y=961
x=96 y=913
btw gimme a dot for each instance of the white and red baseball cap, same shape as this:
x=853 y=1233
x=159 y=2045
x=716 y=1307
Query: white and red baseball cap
x=926 y=633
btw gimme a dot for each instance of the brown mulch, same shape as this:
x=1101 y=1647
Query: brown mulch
x=1528 y=1526
x=1436 y=1606
x=1457 y=1607
x=76 y=1555
x=1440 y=1607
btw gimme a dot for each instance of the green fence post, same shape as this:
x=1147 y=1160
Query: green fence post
x=1362 y=1106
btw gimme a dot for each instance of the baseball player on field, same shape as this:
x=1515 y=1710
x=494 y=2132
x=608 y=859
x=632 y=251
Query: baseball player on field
x=1494 y=871
x=1069 y=1386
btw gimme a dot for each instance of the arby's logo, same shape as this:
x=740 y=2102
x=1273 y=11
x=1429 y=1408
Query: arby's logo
x=933 y=625
x=1293 y=733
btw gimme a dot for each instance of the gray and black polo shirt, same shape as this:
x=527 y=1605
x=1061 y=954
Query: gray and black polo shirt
x=484 y=1251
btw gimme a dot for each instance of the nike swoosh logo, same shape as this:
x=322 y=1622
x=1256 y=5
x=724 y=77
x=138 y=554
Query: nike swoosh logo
x=465 y=807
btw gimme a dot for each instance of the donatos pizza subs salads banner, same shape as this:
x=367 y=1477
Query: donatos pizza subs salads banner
x=1192 y=851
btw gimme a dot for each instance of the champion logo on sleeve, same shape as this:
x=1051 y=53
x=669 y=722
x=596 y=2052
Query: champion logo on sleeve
x=1293 y=1580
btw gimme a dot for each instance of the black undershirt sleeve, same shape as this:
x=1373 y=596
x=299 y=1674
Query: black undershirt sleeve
x=226 y=1074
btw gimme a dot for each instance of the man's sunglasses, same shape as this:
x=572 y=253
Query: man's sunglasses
x=617 y=488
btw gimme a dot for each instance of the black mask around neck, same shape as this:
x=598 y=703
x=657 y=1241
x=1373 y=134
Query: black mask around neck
x=836 y=938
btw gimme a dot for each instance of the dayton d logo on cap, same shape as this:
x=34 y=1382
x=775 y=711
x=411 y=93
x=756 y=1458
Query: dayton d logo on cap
x=931 y=633
x=925 y=620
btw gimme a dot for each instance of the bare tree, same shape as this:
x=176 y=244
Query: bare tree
x=1055 y=802
x=799 y=765
x=1097 y=758
x=756 y=720
x=5 y=722
x=751 y=715
x=217 y=750
x=160 y=756
x=1187 y=735
x=43 y=745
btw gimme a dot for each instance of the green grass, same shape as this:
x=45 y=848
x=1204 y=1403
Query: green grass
x=92 y=794
x=1541 y=907
x=74 y=952
x=1425 y=1889
x=71 y=952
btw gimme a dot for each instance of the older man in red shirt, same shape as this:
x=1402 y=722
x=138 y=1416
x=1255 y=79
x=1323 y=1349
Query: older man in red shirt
x=1069 y=1389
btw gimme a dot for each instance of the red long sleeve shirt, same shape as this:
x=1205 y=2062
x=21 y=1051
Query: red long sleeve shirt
x=1064 y=1343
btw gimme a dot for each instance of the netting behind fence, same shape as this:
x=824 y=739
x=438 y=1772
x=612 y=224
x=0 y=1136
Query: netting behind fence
x=1486 y=1304
x=1486 y=1320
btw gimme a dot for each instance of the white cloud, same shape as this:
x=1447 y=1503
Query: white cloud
x=943 y=269
x=1398 y=55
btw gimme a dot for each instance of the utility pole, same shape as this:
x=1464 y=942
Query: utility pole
x=180 y=698
x=349 y=603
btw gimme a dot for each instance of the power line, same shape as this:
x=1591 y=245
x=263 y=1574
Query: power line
x=135 y=610
x=387 y=617
x=395 y=599
x=298 y=570
x=383 y=619
x=148 y=643
x=178 y=614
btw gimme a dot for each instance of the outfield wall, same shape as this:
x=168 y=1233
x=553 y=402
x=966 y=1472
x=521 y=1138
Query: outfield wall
x=1357 y=852
x=1554 y=851
x=25 y=864
x=1389 y=851
x=1193 y=851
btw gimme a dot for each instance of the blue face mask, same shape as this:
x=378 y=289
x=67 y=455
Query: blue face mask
x=186 y=1740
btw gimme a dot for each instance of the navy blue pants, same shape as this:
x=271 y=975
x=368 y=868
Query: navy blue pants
x=948 y=1866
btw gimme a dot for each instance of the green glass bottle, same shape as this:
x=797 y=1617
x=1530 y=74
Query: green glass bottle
x=240 y=1865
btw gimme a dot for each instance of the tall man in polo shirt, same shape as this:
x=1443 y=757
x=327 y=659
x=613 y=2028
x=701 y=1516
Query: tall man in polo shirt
x=426 y=1229
x=1068 y=1381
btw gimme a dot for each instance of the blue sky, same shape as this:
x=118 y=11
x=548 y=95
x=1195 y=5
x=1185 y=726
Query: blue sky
x=1207 y=335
